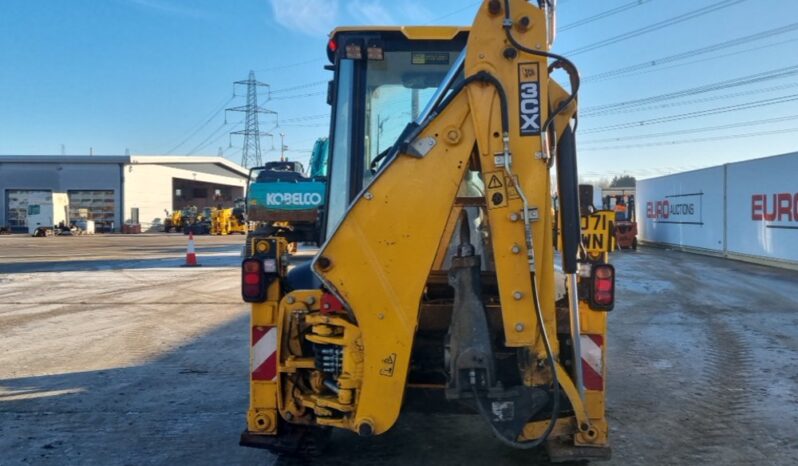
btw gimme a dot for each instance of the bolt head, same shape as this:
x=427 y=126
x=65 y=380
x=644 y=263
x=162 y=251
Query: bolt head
x=515 y=249
x=514 y=217
x=290 y=300
x=519 y=327
x=518 y=295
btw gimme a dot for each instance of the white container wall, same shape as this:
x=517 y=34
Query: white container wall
x=745 y=210
x=684 y=209
x=762 y=208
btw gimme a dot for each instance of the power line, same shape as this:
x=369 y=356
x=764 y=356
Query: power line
x=291 y=65
x=220 y=136
x=204 y=142
x=695 y=140
x=298 y=87
x=299 y=96
x=470 y=5
x=704 y=129
x=700 y=113
x=603 y=14
x=306 y=118
x=319 y=125
x=695 y=101
x=736 y=54
x=729 y=83
x=692 y=53
x=203 y=124
x=655 y=27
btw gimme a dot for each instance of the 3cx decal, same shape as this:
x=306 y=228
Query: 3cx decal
x=529 y=98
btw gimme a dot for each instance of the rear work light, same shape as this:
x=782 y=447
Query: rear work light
x=374 y=50
x=253 y=281
x=602 y=287
x=354 y=49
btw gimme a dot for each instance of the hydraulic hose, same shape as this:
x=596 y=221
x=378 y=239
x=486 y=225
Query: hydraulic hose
x=568 y=66
x=484 y=76
x=559 y=62
x=555 y=410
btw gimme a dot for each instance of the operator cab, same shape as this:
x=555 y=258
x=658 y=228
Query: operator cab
x=282 y=170
x=382 y=81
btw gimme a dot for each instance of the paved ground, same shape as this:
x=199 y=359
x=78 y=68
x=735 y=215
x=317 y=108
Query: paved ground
x=114 y=355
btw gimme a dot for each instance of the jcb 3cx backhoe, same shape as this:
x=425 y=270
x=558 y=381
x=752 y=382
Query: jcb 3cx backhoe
x=437 y=269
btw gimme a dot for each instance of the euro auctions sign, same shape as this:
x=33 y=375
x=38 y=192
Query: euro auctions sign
x=781 y=208
x=762 y=208
x=684 y=209
x=743 y=209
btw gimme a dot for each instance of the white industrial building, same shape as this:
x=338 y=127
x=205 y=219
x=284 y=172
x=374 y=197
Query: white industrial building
x=744 y=210
x=118 y=189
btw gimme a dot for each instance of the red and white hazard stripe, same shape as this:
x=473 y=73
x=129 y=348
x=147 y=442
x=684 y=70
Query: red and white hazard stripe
x=592 y=361
x=264 y=353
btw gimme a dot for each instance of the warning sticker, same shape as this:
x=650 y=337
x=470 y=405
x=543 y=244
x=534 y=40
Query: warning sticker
x=388 y=364
x=494 y=182
x=496 y=192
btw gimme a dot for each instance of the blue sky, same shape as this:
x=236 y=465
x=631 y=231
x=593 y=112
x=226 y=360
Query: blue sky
x=144 y=75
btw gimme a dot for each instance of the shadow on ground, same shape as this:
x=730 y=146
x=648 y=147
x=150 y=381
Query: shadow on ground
x=224 y=256
x=188 y=407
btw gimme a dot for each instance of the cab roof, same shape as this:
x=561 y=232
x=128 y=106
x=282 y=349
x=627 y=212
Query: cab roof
x=411 y=32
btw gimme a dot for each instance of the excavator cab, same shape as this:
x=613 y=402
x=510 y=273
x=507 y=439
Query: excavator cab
x=382 y=80
x=436 y=270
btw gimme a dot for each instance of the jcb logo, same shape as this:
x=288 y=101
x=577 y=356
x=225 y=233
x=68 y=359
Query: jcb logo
x=529 y=98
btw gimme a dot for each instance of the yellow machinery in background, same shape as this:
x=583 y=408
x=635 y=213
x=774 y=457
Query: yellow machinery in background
x=437 y=273
x=229 y=221
x=173 y=222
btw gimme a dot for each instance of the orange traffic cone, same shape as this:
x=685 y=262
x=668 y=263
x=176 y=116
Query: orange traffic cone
x=191 y=256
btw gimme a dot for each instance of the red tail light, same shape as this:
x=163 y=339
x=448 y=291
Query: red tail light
x=332 y=47
x=253 y=281
x=602 y=287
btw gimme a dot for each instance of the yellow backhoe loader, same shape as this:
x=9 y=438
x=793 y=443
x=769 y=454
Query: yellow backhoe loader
x=230 y=220
x=173 y=222
x=438 y=273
